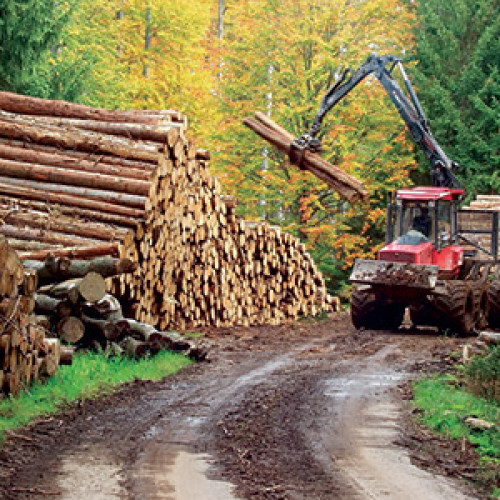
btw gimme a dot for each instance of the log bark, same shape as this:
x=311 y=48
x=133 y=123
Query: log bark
x=98 y=203
x=347 y=186
x=167 y=133
x=62 y=224
x=80 y=140
x=45 y=236
x=68 y=177
x=16 y=103
x=64 y=268
x=87 y=156
x=58 y=159
x=110 y=249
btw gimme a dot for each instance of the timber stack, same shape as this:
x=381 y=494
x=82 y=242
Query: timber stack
x=477 y=216
x=72 y=304
x=26 y=353
x=83 y=182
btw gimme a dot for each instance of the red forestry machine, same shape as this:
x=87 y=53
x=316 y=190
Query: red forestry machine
x=423 y=266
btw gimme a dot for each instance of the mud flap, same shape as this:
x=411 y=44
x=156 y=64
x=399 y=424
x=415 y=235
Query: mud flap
x=399 y=274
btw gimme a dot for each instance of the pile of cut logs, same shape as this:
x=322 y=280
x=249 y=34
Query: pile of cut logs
x=25 y=352
x=72 y=303
x=83 y=182
x=477 y=217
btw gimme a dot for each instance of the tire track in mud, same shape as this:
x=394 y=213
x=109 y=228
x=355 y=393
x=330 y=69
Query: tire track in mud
x=271 y=414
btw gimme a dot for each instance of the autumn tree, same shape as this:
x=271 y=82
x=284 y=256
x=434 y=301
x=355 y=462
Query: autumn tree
x=280 y=57
x=149 y=55
x=458 y=76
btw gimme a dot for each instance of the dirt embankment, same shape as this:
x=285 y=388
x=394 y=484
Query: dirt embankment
x=308 y=410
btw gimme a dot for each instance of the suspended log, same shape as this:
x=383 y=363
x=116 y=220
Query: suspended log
x=347 y=186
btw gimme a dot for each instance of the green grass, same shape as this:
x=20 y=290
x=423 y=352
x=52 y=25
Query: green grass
x=91 y=375
x=445 y=405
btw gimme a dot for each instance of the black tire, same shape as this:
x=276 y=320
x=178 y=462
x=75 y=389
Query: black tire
x=493 y=304
x=371 y=313
x=456 y=309
x=481 y=306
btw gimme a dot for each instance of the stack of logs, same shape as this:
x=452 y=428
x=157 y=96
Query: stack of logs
x=72 y=303
x=478 y=216
x=25 y=352
x=82 y=182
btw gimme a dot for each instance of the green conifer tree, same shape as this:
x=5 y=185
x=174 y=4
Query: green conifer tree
x=32 y=46
x=458 y=79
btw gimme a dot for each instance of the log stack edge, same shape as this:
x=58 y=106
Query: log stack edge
x=81 y=182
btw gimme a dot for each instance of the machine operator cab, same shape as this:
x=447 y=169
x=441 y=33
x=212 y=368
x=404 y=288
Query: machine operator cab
x=422 y=228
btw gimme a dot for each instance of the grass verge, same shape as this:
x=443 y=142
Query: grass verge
x=445 y=405
x=91 y=375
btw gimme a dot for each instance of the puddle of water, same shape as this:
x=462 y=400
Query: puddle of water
x=91 y=474
x=345 y=386
x=178 y=475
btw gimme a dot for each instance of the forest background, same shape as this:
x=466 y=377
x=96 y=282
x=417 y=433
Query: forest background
x=218 y=61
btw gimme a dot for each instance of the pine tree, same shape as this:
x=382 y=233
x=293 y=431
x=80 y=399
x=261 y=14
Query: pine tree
x=458 y=49
x=31 y=42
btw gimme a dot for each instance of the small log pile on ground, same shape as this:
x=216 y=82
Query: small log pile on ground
x=84 y=182
x=26 y=353
x=72 y=303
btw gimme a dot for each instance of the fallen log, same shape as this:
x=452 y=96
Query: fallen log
x=110 y=249
x=94 y=204
x=90 y=288
x=60 y=159
x=44 y=236
x=63 y=268
x=62 y=224
x=70 y=329
x=80 y=140
x=165 y=134
x=347 y=186
x=68 y=177
x=16 y=103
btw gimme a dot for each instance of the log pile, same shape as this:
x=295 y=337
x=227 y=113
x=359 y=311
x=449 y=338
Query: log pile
x=81 y=313
x=26 y=354
x=477 y=220
x=79 y=182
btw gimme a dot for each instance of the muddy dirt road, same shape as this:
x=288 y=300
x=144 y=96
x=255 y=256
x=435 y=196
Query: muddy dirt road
x=312 y=410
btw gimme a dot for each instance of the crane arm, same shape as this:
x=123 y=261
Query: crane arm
x=409 y=108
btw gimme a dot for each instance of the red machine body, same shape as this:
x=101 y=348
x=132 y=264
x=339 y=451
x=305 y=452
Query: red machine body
x=436 y=248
